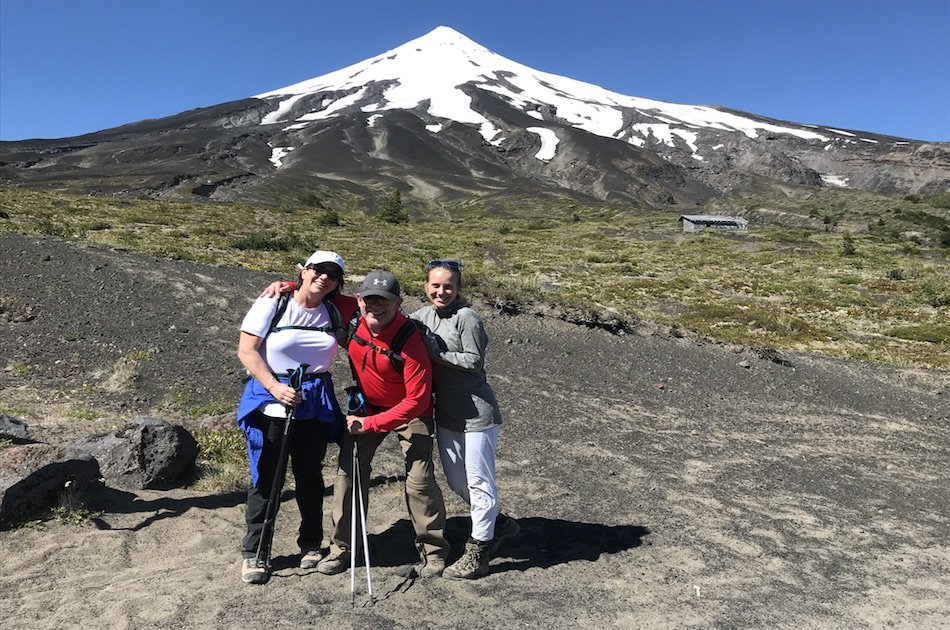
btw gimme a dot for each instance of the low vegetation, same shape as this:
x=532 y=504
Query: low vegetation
x=222 y=460
x=839 y=272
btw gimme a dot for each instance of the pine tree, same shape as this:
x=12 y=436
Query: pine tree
x=391 y=210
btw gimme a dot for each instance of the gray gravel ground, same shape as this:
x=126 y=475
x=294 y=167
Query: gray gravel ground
x=659 y=481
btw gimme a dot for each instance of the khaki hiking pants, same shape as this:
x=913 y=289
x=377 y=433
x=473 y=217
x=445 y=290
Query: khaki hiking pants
x=423 y=496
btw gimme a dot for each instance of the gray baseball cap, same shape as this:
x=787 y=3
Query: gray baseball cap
x=381 y=283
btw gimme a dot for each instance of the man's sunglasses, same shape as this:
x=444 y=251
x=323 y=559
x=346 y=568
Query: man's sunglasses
x=330 y=272
x=451 y=264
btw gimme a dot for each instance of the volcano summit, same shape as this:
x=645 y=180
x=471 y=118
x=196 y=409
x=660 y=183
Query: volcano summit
x=442 y=117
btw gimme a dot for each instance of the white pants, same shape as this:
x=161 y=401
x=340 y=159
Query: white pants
x=468 y=460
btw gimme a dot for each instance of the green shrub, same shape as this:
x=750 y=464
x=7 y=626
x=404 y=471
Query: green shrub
x=391 y=210
x=221 y=446
x=847 y=245
x=939 y=200
x=933 y=333
x=269 y=242
x=327 y=218
x=311 y=199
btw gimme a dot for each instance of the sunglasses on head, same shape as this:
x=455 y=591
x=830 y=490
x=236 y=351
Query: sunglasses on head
x=451 y=264
x=330 y=272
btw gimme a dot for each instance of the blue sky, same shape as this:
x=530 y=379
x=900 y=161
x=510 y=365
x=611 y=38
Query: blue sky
x=69 y=67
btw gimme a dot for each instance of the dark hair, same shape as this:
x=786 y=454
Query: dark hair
x=335 y=291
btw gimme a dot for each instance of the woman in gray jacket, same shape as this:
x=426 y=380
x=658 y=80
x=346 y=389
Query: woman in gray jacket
x=467 y=417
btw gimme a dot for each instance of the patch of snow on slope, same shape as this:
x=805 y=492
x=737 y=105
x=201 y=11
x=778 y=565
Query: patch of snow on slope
x=372 y=119
x=434 y=128
x=843 y=133
x=549 y=142
x=335 y=106
x=664 y=133
x=535 y=114
x=835 y=180
x=282 y=110
x=277 y=155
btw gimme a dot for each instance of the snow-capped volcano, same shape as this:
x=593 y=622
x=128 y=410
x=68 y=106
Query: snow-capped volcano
x=442 y=117
x=429 y=74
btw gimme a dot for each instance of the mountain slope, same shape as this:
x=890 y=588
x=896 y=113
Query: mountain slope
x=442 y=117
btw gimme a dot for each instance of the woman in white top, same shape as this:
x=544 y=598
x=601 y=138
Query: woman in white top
x=467 y=417
x=272 y=343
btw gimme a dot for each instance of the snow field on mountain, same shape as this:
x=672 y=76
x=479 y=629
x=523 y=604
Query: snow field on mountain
x=434 y=67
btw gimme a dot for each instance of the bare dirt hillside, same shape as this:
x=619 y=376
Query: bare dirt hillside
x=659 y=482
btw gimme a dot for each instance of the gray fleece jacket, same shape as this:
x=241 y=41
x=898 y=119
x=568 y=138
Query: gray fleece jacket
x=456 y=342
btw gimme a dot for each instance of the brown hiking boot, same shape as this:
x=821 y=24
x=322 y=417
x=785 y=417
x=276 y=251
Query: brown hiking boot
x=506 y=528
x=433 y=567
x=334 y=563
x=254 y=572
x=473 y=564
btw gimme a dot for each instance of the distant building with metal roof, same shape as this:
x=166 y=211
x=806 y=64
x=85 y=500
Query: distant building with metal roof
x=700 y=222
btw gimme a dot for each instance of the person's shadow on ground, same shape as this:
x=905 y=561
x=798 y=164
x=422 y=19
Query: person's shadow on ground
x=542 y=542
x=123 y=502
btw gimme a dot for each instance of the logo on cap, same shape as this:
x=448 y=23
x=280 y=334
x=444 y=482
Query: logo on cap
x=380 y=281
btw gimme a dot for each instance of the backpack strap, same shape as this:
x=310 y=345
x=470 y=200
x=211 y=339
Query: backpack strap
x=284 y=299
x=335 y=318
x=281 y=309
x=351 y=327
x=394 y=351
x=399 y=341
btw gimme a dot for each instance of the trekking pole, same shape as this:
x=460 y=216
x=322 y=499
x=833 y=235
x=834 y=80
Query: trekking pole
x=355 y=489
x=369 y=571
x=295 y=377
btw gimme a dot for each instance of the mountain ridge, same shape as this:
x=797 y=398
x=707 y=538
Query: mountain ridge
x=442 y=117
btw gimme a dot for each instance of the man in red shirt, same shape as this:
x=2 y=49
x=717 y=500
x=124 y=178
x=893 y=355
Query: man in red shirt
x=398 y=394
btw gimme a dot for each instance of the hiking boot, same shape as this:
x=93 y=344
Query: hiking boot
x=310 y=558
x=473 y=564
x=334 y=563
x=254 y=572
x=433 y=568
x=505 y=529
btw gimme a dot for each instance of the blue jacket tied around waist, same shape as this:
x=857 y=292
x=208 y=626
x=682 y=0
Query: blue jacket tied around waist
x=319 y=404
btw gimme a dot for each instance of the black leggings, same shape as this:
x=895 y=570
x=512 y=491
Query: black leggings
x=307 y=444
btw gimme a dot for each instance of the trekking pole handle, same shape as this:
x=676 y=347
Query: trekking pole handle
x=295 y=380
x=295 y=375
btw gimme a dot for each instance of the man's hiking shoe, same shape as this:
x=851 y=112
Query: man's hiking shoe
x=433 y=568
x=310 y=558
x=254 y=572
x=334 y=563
x=473 y=564
x=505 y=529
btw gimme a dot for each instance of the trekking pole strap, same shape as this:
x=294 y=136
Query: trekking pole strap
x=305 y=378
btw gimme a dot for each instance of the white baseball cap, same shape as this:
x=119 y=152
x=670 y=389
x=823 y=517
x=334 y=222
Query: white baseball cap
x=321 y=256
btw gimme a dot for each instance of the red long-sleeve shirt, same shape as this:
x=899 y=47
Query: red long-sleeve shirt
x=346 y=304
x=400 y=397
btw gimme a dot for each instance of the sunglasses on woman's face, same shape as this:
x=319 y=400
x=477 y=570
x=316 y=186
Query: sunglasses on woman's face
x=451 y=264
x=330 y=272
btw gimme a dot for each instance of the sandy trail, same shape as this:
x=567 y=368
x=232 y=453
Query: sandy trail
x=658 y=483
